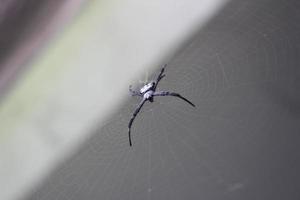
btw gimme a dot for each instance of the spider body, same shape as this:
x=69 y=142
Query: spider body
x=148 y=92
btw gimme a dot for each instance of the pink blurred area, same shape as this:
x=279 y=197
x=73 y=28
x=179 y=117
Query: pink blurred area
x=26 y=27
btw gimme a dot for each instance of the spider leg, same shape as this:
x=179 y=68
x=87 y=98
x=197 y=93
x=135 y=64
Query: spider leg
x=160 y=76
x=137 y=110
x=163 y=93
x=134 y=93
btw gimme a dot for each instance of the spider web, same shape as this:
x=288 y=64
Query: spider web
x=242 y=72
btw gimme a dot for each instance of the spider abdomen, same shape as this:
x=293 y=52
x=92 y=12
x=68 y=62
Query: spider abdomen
x=147 y=87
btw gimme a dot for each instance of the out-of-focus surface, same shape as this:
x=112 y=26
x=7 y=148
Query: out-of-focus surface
x=242 y=140
x=62 y=83
x=26 y=26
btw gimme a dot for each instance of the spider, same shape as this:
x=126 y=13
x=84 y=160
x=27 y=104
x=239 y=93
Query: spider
x=148 y=92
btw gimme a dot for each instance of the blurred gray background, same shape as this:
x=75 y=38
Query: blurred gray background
x=241 y=141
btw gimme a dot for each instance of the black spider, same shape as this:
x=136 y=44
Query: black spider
x=148 y=92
